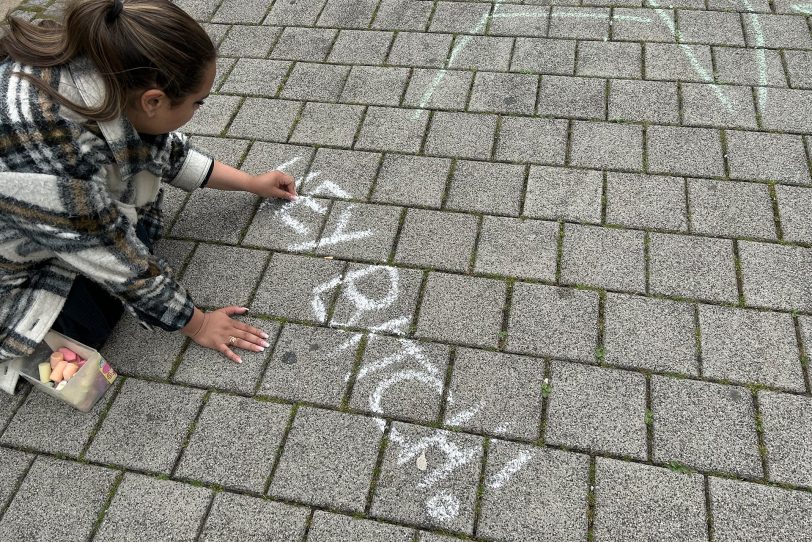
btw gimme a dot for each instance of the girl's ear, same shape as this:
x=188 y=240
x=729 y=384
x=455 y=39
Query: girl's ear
x=151 y=101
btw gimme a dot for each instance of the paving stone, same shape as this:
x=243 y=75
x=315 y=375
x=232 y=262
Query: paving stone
x=212 y=118
x=9 y=403
x=171 y=204
x=342 y=174
x=420 y=49
x=327 y=527
x=460 y=17
x=431 y=537
x=517 y=248
x=564 y=193
x=287 y=288
x=248 y=519
x=328 y=124
x=609 y=59
x=249 y=41
x=359 y=231
x=13 y=466
x=694 y=267
x=256 y=77
x=607 y=145
x=795 y=208
x=239 y=11
x=228 y=151
x=471 y=187
x=401 y=378
x=361 y=47
x=309 y=44
x=214 y=215
x=375 y=85
x=269 y=120
x=464 y=135
x=649 y=25
x=460 y=309
x=49 y=425
x=438 y=89
x=643 y=101
x=704 y=425
x=216 y=31
x=235 y=443
x=799 y=68
x=174 y=252
x=684 y=151
x=785 y=110
x=603 y=257
x=710 y=28
x=320 y=82
x=480 y=382
x=740 y=5
x=777 y=31
x=347 y=13
x=786 y=419
x=776 y=276
x=482 y=53
x=545 y=499
x=58 y=500
x=581 y=23
x=134 y=419
x=292 y=159
x=504 y=93
x=646 y=201
x=688 y=4
x=402 y=15
x=552 y=321
x=412 y=180
x=313 y=470
x=302 y=12
x=166 y=509
x=751 y=347
x=435 y=239
x=200 y=10
x=219 y=276
x=731 y=208
x=135 y=351
x=771 y=514
x=548 y=56
x=639 y=502
x=513 y=20
x=601 y=410
x=443 y=495
x=784 y=6
x=712 y=105
x=678 y=62
x=532 y=140
x=767 y=157
x=292 y=226
x=743 y=66
x=572 y=97
x=391 y=129
x=650 y=334
x=310 y=364
x=207 y=368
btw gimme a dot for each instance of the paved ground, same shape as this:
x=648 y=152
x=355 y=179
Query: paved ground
x=551 y=282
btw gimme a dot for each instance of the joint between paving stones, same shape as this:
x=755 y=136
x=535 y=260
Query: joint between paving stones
x=600 y=347
x=356 y=365
x=452 y=360
x=698 y=342
x=480 y=488
x=725 y=159
x=189 y=432
x=523 y=193
x=546 y=390
x=739 y=273
x=649 y=420
x=762 y=445
x=16 y=486
x=308 y=524
x=206 y=513
x=111 y=493
x=779 y=230
x=376 y=470
x=708 y=509
x=285 y=432
x=802 y=357
x=475 y=249
x=421 y=293
x=559 y=252
x=591 y=499
x=647 y=261
x=102 y=415
x=505 y=326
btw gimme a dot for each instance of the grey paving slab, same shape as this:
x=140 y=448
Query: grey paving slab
x=786 y=419
x=799 y=68
x=646 y=201
x=767 y=157
x=263 y=119
x=438 y=89
x=710 y=27
x=533 y=494
x=392 y=129
x=751 y=347
x=401 y=378
x=704 y=425
x=375 y=85
x=694 y=267
x=256 y=77
x=341 y=174
x=206 y=368
x=638 y=502
x=517 y=248
x=459 y=17
x=229 y=151
x=309 y=44
x=235 y=443
x=133 y=420
x=58 y=500
x=292 y=159
x=564 y=193
x=420 y=49
x=461 y=135
x=649 y=25
x=597 y=409
x=645 y=101
x=795 y=208
x=212 y=215
x=174 y=252
x=684 y=151
x=244 y=518
x=540 y=55
x=437 y=239
x=319 y=82
x=604 y=145
x=460 y=309
x=360 y=47
x=712 y=105
x=610 y=59
x=347 y=13
x=328 y=124
x=13 y=466
x=303 y=12
x=785 y=110
x=166 y=509
x=441 y=496
x=327 y=527
x=292 y=226
x=608 y=258
x=479 y=385
x=216 y=31
x=310 y=364
x=731 y=209
x=472 y=182
x=514 y=20
x=134 y=351
x=313 y=470
x=359 y=231
x=412 y=180
x=432 y=537
x=777 y=31
x=650 y=334
x=218 y=276
x=249 y=41
x=200 y=10
x=775 y=276
x=538 y=141
x=212 y=118
x=8 y=405
x=553 y=321
x=678 y=62
x=580 y=23
x=509 y=93
x=482 y=53
x=572 y=97
x=741 y=5
x=742 y=509
x=744 y=66
x=236 y=11
x=172 y=202
x=402 y=15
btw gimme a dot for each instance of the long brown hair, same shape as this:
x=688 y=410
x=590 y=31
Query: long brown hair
x=137 y=44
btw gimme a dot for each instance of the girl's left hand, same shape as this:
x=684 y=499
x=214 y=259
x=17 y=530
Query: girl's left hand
x=274 y=184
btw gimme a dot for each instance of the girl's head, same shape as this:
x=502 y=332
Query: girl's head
x=153 y=56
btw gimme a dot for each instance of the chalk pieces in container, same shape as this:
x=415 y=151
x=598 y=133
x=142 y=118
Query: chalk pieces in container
x=45 y=372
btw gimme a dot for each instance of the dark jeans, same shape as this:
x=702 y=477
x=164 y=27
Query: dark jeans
x=90 y=313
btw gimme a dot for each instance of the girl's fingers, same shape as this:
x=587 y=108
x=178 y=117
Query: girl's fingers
x=245 y=344
x=253 y=331
x=233 y=309
x=226 y=351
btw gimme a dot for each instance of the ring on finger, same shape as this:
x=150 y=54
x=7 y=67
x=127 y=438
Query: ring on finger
x=232 y=340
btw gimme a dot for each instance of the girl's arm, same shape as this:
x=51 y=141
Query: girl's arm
x=272 y=184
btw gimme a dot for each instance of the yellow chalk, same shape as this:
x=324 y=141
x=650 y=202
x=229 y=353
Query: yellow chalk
x=45 y=372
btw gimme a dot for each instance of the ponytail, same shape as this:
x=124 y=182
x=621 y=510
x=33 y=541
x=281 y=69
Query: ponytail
x=135 y=45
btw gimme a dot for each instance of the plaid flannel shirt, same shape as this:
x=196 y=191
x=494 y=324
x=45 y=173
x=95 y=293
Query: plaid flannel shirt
x=71 y=192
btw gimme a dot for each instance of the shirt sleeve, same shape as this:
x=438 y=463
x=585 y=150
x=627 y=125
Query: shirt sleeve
x=187 y=168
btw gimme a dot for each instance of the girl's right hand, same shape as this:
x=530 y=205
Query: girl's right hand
x=218 y=331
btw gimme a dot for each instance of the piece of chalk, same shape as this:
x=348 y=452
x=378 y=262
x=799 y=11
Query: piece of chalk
x=69 y=371
x=45 y=372
x=61 y=385
x=81 y=362
x=56 y=357
x=56 y=372
x=67 y=353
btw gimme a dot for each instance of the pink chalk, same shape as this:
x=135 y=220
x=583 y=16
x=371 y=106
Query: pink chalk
x=81 y=362
x=68 y=354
